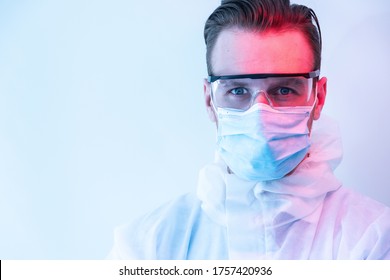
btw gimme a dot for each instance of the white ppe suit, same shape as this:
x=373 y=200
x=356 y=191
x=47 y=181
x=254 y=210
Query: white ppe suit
x=305 y=215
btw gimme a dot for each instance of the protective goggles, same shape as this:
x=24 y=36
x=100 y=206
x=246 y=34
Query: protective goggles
x=240 y=92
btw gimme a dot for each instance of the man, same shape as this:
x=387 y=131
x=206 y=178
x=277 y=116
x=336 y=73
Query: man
x=271 y=193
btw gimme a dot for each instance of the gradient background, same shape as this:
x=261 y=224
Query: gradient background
x=102 y=116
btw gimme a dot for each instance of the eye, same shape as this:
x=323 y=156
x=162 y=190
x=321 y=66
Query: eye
x=239 y=91
x=285 y=91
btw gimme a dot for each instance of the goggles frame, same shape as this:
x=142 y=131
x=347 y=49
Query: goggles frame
x=313 y=74
x=309 y=75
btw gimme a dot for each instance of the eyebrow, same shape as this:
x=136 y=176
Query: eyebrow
x=233 y=82
x=296 y=81
x=243 y=82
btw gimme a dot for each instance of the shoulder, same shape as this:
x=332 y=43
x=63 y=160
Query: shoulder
x=349 y=202
x=361 y=222
x=160 y=234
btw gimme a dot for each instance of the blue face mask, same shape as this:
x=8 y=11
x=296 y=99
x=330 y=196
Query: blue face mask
x=262 y=143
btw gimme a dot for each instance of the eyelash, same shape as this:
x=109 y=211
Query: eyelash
x=245 y=90
x=278 y=91
x=274 y=91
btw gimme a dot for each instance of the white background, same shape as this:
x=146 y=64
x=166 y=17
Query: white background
x=102 y=116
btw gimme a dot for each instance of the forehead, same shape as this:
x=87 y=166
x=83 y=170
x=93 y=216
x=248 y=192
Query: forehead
x=239 y=51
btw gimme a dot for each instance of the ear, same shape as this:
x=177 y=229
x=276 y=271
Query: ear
x=321 y=96
x=207 y=99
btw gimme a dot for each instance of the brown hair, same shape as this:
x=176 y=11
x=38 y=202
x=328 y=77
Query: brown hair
x=262 y=15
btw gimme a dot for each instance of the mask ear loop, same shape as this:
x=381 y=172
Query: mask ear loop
x=213 y=106
x=315 y=80
x=228 y=170
x=212 y=103
x=312 y=109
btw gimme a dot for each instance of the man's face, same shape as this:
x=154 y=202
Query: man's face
x=239 y=51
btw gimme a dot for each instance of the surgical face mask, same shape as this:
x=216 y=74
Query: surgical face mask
x=263 y=143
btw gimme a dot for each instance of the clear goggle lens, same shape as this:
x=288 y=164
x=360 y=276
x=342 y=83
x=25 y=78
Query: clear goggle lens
x=242 y=93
